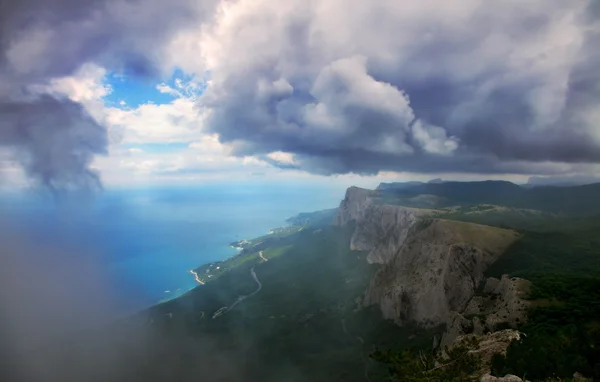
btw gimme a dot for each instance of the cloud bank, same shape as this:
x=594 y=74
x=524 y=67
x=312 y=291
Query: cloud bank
x=428 y=86
x=53 y=137
x=327 y=87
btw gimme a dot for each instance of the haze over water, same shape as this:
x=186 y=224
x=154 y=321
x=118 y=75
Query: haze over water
x=143 y=242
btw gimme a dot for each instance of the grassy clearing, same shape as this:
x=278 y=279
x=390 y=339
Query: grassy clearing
x=490 y=239
x=277 y=251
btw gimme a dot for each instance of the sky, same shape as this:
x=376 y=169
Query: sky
x=114 y=93
x=106 y=94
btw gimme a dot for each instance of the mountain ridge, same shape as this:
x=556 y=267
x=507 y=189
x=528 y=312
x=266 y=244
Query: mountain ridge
x=577 y=200
x=337 y=285
x=430 y=268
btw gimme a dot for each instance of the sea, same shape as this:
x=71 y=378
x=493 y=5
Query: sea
x=139 y=244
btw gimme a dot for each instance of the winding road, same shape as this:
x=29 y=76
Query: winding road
x=240 y=298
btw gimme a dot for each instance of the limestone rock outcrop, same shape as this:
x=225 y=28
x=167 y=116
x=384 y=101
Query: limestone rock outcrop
x=502 y=301
x=430 y=267
x=380 y=228
x=506 y=378
x=488 y=345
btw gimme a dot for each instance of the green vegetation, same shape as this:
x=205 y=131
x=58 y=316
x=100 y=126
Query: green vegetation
x=306 y=322
x=506 y=217
x=491 y=239
x=304 y=325
x=537 y=254
x=314 y=219
x=275 y=234
x=562 y=335
x=272 y=245
x=458 y=364
x=558 y=253
x=270 y=253
x=417 y=201
x=568 y=201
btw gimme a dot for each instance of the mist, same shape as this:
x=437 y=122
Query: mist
x=77 y=276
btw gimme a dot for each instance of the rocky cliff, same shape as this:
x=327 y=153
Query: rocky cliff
x=501 y=301
x=430 y=268
x=486 y=346
x=379 y=228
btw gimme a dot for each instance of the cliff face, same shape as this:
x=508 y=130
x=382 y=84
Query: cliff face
x=501 y=301
x=434 y=273
x=380 y=229
x=353 y=207
x=430 y=268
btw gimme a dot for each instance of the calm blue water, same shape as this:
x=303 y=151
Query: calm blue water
x=143 y=242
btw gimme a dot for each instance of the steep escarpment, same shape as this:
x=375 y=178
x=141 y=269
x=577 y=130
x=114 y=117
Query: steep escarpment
x=436 y=271
x=430 y=269
x=354 y=206
x=501 y=301
x=431 y=273
x=379 y=228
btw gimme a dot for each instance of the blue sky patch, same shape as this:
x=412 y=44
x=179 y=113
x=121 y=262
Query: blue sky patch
x=158 y=148
x=135 y=91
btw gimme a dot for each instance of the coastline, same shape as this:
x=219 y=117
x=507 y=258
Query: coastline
x=240 y=246
x=196 y=277
x=261 y=248
x=180 y=292
x=248 y=250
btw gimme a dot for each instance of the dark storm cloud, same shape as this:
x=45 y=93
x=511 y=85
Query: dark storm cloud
x=345 y=86
x=60 y=35
x=54 y=139
x=423 y=87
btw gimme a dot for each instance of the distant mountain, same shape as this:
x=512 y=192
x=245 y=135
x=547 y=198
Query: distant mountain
x=568 y=200
x=403 y=185
x=436 y=180
x=562 y=181
x=323 y=217
x=397 y=185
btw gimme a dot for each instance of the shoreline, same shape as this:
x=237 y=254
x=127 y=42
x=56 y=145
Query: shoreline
x=192 y=271
x=291 y=225
x=239 y=251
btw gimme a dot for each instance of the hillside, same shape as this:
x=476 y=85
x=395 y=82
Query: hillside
x=574 y=200
x=368 y=289
x=303 y=325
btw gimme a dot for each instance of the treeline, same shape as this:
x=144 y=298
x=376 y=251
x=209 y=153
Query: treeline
x=539 y=254
x=458 y=364
x=562 y=335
